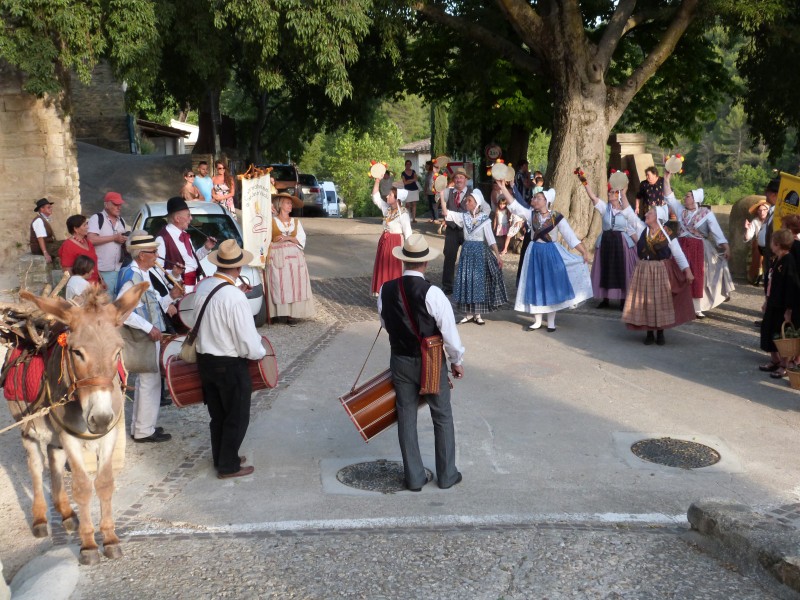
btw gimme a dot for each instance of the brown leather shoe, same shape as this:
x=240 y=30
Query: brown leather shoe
x=243 y=472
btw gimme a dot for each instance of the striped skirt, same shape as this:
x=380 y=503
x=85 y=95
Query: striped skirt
x=386 y=267
x=658 y=297
x=479 y=285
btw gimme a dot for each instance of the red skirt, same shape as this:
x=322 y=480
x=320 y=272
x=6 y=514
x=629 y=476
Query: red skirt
x=387 y=267
x=693 y=249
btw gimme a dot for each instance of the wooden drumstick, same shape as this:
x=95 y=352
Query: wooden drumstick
x=171 y=279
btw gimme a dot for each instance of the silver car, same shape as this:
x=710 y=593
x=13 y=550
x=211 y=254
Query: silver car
x=312 y=194
x=208 y=219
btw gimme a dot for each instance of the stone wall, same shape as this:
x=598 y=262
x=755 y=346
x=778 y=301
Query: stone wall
x=38 y=158
x=98 y=111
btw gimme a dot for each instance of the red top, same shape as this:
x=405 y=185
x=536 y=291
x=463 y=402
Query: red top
x=70 y=250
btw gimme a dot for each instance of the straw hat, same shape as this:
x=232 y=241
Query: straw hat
x=296 y=202
x=415 y=250
x=754 y=209
x=141 y=240
x=230 y=255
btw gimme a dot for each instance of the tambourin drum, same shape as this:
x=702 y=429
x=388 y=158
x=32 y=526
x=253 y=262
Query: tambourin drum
x=186 y=310
x=170 y=346
x=372 y=405
x=185 y=387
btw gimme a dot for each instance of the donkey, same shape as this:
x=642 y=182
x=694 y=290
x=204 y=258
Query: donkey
x=84 y=370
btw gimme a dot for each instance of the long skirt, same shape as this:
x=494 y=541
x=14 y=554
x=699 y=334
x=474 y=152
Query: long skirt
x=551 y=279
x=288 y=281
x=386 y=267
x=479 y=285
x=693 y=249
x=659 y=296
x=718 y=283
x=613 y=266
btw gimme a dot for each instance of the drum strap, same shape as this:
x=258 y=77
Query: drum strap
x=352 y=389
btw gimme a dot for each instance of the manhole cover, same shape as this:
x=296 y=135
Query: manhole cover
x=676 y=453
x=383 y=476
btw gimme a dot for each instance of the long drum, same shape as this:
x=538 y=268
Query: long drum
x=170 y=346
x=185 y=387
x=372 y=406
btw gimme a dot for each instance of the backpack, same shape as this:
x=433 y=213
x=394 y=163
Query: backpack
x=126 y=257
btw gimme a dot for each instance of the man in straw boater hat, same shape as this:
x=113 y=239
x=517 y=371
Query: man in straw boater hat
x=226 y=339
x=175 y=250
x=148 y=317
x=432 y=315
x=43 y=240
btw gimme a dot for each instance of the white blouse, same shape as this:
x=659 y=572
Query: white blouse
x=640 y=227
x=399 y=222
x=473 y=232
x=709 y=226
x=286 y=229
x=563 y=227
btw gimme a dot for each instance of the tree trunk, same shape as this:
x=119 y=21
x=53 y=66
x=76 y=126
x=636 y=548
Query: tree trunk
x=517 y=151
x=257 y=128
x=207 y=135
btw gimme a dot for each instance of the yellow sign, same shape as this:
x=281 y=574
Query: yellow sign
x=788 y=199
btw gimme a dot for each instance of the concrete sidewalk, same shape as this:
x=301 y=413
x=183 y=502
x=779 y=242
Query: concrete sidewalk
x=544 y=424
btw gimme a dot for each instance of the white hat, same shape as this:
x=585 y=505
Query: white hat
x=478 y=196
x=662 y=213
x=698 y=196
x=550 y=196
x=401 y=194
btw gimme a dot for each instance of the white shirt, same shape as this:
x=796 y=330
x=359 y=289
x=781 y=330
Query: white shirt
x=189 y=260
x=109 y=255
x=286 y=229
x=439 y=308
x=563 y=227
x=674 y=246
x=399 y=224
x=708 y=226
x=227 y=328
x=75 y=286
x=133 y=319
x=38 y=226
x=478 y=234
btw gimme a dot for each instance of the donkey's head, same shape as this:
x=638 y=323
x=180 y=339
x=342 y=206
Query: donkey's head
x=93 y=347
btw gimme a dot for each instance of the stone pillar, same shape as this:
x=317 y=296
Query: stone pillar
x=38 y=158
x=628 y=153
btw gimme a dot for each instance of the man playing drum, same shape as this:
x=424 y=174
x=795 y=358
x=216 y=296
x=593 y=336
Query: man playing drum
x=432 y=315
x=226 y=339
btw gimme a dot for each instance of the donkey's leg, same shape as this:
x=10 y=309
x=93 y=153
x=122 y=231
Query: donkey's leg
x=82 y=494
x=36 y=467
x=104 y=487
x=57 y=457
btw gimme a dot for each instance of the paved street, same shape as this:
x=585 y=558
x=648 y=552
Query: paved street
x=553 y=503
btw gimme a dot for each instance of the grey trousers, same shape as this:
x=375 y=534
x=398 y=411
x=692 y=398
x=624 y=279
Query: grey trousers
x=406 y=375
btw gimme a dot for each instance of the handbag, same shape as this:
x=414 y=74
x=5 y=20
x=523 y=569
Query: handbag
x=139 y=352
x=188 y=351
x=431 y=349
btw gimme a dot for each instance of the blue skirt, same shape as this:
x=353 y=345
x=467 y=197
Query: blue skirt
x=547 y=282
x=479 y=285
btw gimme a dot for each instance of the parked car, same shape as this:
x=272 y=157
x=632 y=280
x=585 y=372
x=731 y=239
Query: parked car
x=332 y=199
x=208 y=219
x=312 y=194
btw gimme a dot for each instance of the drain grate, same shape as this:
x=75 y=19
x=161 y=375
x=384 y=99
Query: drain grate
x=676 y=453
x=384 y=476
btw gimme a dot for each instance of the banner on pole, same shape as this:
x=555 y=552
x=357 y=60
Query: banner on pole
x=257 y=217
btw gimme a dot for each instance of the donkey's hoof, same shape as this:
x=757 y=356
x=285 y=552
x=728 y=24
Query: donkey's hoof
x=89 y=557
x=40 y=530
x=112 y=551
x=70 y=524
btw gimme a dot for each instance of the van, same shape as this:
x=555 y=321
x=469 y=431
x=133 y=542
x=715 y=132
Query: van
x=332 y=199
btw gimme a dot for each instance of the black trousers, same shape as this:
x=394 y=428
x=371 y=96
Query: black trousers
x=453 y=238
x=226 y=392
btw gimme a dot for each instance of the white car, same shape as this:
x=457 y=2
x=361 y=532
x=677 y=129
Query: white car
x=208 y=219
x=332 y=204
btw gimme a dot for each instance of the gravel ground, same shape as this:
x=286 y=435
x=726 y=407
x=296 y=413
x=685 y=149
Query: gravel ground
x=540 y=562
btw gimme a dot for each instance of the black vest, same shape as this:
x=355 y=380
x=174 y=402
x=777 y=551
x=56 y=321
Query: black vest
x=402 y=338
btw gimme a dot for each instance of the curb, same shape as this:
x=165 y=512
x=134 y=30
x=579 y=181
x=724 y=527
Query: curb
x=753 y=540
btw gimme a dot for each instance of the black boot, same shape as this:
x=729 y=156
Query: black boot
x=603 y=304
x=649 y=339
x=660 y=337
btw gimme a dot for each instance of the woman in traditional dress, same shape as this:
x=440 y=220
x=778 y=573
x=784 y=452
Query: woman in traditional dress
x=659 y=296
x=479 y=287
x=551 y=278
x=712 y=283
x=79 y=245
x=615 y=252
x=396 y=229
x=289 y=284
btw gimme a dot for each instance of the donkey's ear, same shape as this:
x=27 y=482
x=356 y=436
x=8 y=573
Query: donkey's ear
x=57 y=307
x=128 y=301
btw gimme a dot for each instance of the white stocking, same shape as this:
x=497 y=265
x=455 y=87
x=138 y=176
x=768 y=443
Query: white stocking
x=551 y=320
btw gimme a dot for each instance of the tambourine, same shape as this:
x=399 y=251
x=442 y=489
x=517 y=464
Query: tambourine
x=377 y=171
x=500 y=172
x=441 y=161
x=511 y=173
x=440 y=183
x=674 y=164
x=618 y=180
